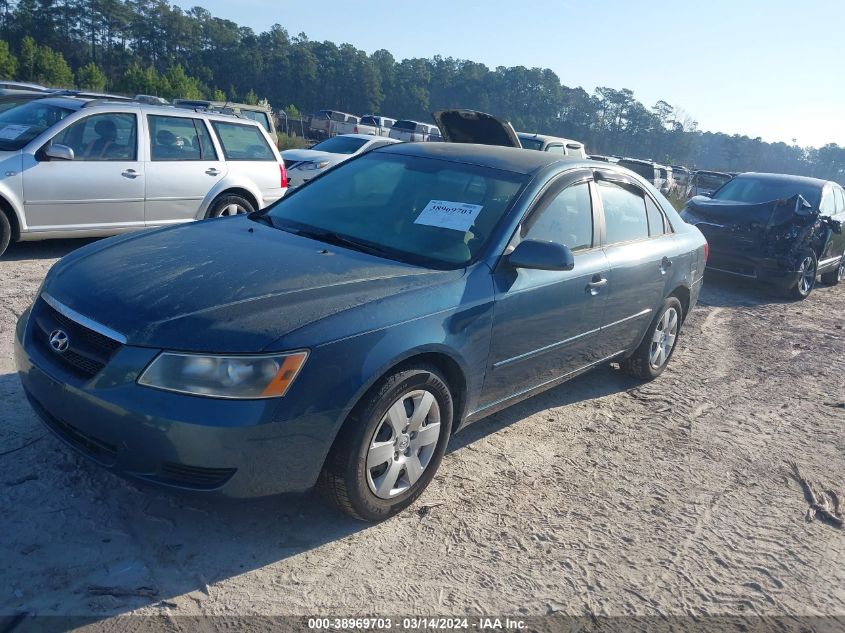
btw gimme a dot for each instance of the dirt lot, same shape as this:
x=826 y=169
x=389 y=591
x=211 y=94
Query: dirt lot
x=602 y=496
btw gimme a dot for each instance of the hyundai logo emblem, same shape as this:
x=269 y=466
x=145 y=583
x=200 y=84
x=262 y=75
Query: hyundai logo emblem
x=59 y=341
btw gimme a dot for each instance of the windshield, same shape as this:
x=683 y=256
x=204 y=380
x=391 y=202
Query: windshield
x=422 y=210
x=22 y=123
x=405 y=125
x=710 y=181
x=531 y=143
x=340 y=145
x=756 y=190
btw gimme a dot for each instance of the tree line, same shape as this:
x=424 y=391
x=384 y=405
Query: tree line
x=151 y=47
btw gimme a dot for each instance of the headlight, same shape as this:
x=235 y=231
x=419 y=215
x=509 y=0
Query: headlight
x=235 y=377
x=313 y=165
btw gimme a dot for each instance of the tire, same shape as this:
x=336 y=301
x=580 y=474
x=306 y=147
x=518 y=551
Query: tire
x=353 y=477
x=652 y=356
x=807 y=266
x=229 y=204
x=835 y=276
x=5 y=232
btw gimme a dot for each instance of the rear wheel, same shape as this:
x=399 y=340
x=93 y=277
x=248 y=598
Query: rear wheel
x=835 y=276
x=653 y=354
x=807 y=268
x=229 y=204
x=390 y=447
x=5 y=232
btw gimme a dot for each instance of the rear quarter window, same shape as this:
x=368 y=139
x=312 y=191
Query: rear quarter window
x=242 y=142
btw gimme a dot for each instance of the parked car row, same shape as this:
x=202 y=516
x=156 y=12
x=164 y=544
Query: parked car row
x=404 y=294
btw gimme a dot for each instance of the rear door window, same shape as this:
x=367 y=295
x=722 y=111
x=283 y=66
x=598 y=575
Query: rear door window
x=179 y=138
x=656 y=221
x=242 y=142
x=624 y=213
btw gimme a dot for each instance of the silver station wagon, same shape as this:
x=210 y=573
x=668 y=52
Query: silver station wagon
x=73 y=167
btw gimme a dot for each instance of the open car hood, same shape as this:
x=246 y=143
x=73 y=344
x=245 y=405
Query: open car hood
x=471 y=126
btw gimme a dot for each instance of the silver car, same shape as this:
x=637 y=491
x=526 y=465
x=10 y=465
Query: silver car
x=72 y=167
x=304 y=164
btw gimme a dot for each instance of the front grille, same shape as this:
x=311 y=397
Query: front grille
x=97 y=449
x=88 y=351
x=193 y=476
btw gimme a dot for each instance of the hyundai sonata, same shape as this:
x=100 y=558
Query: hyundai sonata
x=341 y=336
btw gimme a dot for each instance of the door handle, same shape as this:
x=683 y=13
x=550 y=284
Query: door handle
x=665 y=264
x=212 y=171
x=130 y=173
x=596 y=284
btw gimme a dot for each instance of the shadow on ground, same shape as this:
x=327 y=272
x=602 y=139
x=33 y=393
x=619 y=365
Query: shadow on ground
x=76 y=528
x=46 y=249
x=726 y=291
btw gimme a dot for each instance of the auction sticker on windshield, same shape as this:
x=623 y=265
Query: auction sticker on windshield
x=459 y=216
x=13 y=131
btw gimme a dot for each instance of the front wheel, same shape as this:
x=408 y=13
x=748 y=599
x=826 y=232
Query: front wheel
x=390 y=447
x=229 y=204
x=5 y=232
x=807 y=268
x=653 y=354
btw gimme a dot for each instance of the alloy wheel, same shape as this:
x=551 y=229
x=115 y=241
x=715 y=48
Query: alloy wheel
x=808 y=276
x=403 y=444
x=231 y=209
x=663 y=339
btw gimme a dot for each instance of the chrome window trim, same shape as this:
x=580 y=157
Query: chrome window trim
x=83 y=320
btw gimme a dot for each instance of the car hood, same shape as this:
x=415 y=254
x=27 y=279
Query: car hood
x=298 y=155
x=471 y=126
x=228 y=285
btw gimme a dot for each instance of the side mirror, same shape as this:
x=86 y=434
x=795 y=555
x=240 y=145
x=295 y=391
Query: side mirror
x=537 y=255
x=55 y=151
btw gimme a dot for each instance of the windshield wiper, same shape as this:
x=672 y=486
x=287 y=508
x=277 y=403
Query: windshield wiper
x=330 y=237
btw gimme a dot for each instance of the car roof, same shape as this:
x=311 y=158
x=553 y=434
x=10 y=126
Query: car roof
x=368 y=137
x=784 y=178
x=512 y=159
x=640 y=161
x=546 y=137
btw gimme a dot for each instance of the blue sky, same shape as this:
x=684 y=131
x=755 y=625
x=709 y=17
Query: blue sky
x=774 y=69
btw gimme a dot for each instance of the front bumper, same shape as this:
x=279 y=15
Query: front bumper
x=238 y=449
x=767 y=270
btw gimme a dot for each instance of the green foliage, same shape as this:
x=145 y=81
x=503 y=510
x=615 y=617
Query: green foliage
x=8 y=62
x=292 y=112
x=251 y=98
x=153 y=47
x=90 y=77
x=291 y=142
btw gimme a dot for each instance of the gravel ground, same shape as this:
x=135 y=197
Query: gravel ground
x=600 y=497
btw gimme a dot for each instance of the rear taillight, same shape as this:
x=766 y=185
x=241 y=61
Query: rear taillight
x=706 y=251
x=355 y=130
x=284 y=174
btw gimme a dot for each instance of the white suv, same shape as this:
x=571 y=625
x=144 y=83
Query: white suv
x=72 y=167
